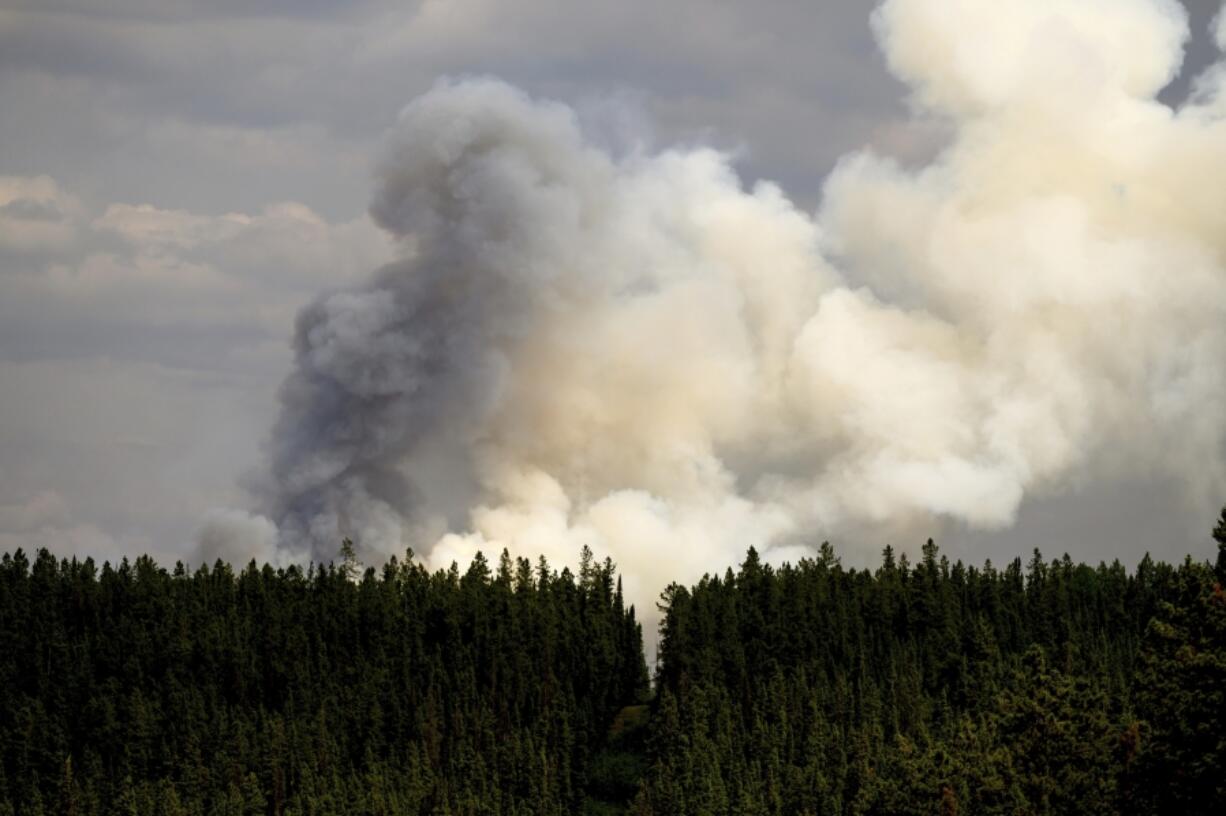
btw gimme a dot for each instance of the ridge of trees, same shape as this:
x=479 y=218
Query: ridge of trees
x=809 y=688
x=329 y=690
x=938 y=688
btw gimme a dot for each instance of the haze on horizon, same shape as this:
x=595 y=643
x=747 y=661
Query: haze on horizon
x=179 y=180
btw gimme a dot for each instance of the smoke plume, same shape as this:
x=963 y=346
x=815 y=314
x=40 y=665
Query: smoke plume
x=637 y=353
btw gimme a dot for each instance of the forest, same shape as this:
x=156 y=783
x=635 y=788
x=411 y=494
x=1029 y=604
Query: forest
x=1045 y=687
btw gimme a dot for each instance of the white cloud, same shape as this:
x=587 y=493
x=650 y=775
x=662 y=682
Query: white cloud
x=147 y=293
x=641 y=354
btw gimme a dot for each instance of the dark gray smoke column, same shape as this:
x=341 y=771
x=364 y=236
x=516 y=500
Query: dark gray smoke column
x=468 y=183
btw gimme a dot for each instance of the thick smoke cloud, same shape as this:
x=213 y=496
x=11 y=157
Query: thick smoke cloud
x=636 y=353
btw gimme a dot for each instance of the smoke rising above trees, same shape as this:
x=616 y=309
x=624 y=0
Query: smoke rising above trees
x=637 y=353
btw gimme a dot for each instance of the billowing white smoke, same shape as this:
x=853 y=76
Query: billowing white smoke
x=637 y=354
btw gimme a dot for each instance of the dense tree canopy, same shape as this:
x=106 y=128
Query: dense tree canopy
x=933 y=688
x=938 y=688
x=137 y=690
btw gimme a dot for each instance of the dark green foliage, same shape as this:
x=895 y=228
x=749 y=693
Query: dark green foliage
x=1182 y=691
x=615 y=772
x=935 y=689
x=1219 y=535
x=941 y=689
x=134 y=690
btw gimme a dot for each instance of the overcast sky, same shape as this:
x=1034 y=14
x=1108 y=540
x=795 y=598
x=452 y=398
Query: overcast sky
x=177 y=178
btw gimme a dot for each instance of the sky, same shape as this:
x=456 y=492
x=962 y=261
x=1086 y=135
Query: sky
x=178 y=179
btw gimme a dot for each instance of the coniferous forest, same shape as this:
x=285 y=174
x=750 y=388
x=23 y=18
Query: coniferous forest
x=1044 y=687
x=132 y=689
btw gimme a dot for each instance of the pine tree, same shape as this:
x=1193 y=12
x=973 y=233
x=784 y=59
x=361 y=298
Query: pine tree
x=1219 y=535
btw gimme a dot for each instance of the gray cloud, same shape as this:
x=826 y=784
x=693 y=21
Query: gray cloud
x=205 y=108
x=793 y=85
x=139 y=353
x=639 y=354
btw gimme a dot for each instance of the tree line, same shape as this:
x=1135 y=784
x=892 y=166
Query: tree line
x=137 y=690
x=937 y=688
